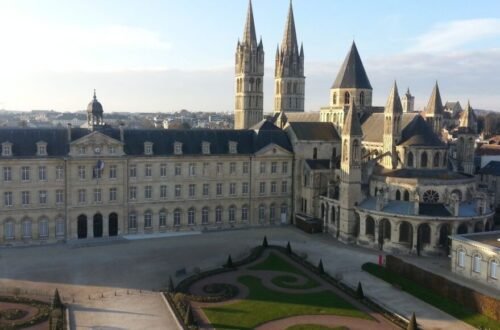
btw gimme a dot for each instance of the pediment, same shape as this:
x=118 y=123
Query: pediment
x=96 y=144
x=271 y=150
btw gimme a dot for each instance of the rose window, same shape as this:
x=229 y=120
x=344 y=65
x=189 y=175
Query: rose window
x=431 y=196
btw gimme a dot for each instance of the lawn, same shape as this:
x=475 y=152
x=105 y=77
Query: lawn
x=264 y=305
x=449 y=306
x=276 y=263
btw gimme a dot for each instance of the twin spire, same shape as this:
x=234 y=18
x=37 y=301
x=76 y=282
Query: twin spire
x=249 y=35
x=352 y=126
x=393 y=104
x=289 y=43
x=435 y=105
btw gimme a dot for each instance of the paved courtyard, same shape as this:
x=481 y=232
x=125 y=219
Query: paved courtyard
x=110 y=285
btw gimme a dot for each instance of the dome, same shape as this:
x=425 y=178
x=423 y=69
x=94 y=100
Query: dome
x=94 y=106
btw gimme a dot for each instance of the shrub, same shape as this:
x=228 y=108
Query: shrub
x=264 y=242
x=229 y=262
x=288 y=248
x=359 y=291
x=321 y=270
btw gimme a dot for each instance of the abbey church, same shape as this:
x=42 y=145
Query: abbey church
x=386 y=177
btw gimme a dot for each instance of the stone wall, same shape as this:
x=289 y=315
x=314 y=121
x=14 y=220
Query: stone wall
x=463 y=295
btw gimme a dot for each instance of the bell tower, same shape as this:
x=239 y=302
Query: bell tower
x=392 y=128
x=465 y=143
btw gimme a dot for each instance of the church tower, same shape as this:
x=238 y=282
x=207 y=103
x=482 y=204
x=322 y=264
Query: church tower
x=95 y=113
x=350 y=180
x=289 y=71
x=392 y=128
x=466 y=136
x=434 y=111
x=249 y=77
x=408 y=101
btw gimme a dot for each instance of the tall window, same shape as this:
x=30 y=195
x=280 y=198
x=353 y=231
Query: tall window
x=315 y=153
x=25 y=198
x=274 y=167
x=163 y=170
x=59 y=173
x=59 y=227
x=476 y=264
x=132 y=221
x=409 y=161
x=436 y=160
x=262 y=168
x=284 y=167
x=220 y=168
x=204 y=215
x=191 y=216
x=27 y=229
x=177 y=217
x=163 y=192
x=42 y=173
x=232 y=168
x=25 y=173
x=272 y=212
x=262 y=213
x=244 y=213
x=362 y=98
x=7 y=174
x=97 y=195
x=133 y=171
x=273 y=188
x=81 y=172
x=493 y=269
x=42 y=197
x=132 y=192
x=148 y=219
x=245 y=168
x=334 y=99
x=232 y=213
x=112 y=194
x=218 y=214
x=244 y=188
x=192 y=190
x=219 y=189
x=284 y=187
x=43 y=228
x=232 y=189
x=178 y=169
x=112 y=171
x=148 y=192
x=82 y=196
x=192 y=169
x=163 y=218
x=7 y=198
x=347 y=98
x=262 y=188
x=205 y=189
x=148 y=171
x=178 y=190
x=423 y=160
x=9 y=230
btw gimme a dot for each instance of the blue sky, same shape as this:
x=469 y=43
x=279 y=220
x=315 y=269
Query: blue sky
x=167 y=55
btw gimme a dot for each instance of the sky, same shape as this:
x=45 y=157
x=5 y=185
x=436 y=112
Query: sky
x=167 y=55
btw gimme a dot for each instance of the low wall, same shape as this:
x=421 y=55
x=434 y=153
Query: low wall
x=463 y=295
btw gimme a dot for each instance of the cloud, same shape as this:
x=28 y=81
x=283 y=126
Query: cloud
x=452 y=35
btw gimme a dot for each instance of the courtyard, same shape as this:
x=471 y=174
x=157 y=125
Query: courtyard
x=114 y=283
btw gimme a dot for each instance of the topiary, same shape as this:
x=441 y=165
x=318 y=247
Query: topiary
x=288 y=248
x=264 y=242
x=229 y=262
x=359 y=291
x=321 y=270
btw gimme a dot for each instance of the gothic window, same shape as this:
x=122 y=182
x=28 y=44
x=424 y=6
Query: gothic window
x=424 y=233
x=334 y=98
x=431 y=196
x=295 y=88
x=362 y=98
x=315 y=153
x=370 y=226
x=423 y=160
x=436 y=160
x=405 y=232
x=409 y=161
x=355 y=151
x=258 y=85
x=251 y=85
x=289 y=88
x=406 y=196
x=347 y=98
x=398 y=195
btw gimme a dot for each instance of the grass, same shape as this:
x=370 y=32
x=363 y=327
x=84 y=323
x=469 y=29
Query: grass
x=314 y=327
x=276 y=263
x=449 y=306
x=264 y=305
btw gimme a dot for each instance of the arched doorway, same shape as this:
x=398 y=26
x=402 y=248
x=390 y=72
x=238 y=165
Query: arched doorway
x=332 y=214
x=113 y=224
x=384 y=232
x=406 y=233
x=370 y=227
x=82 y=226
x=423 y=236
x=444 y=241
x=98 y=225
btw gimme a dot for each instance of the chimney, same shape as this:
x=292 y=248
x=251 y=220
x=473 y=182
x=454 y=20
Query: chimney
x=69 y=133
x=122 y=134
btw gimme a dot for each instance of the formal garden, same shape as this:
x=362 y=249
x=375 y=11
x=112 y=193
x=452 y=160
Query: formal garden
x=272 y=289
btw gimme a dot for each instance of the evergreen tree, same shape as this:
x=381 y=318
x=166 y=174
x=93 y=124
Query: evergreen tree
x=321 y=270
x=188 y=317
x=288 y=248
x=171 y=286
x=57 y=303
x=412 y=325
x=359 y=291
x=264 y=242
x=229 y=262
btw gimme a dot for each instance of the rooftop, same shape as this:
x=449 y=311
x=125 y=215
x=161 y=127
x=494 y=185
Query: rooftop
x=491 y=238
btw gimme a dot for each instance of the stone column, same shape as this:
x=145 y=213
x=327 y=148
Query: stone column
x=434 y=236
x=415 y=236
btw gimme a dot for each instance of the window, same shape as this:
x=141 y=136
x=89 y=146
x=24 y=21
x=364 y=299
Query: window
x=112 y=150
x=493 y=269
x=42 y=197
x=41 y=149
x=262 y=188
x=112 y=194
x=219 y=189
x=436 y=160
x=148 y=192
x=148 y=219
x=25 y=173
x=27 y=229
x=178 y=190
x=362 y=98
x=409 y=161
x=244 y=213
x=59 y=173
x=177 y=217
x=43 y=228
x=7 y=198
x=192 y=169
x=163 y=218
x=7 y=174
x=191 y=216
x=97 y=195
x=220 y=168
x=205 y=189
x=274 y=167
x=42 y=173
x=244 y=188
x=59 y=196
x=347 y=98
x=232 y=168
x=112 y=171
x=204 y=215
x=132 y=221
x=334 y=98
x=205 y=147
x=132 y=193
x=82 y=196
x=163 y=170
x=476 y=264
x=315 y=153
x=233 y=147
x=218 y=214
x=262 y=213
x=6 y=149
x=423 y=159
x=132 y=172
x=232 y=214
x=232 y=189
x=192 y=190
x=25 y=198
x=284 y=187
x=178 y=148
x=82 y=150
x=178 y=170
x=9 y=230
x=59 y=227
x=273 y=187
x=148 y=171
x=245 y=168
x=272 y=212
x=284 y=167
x=163 y=192
x=148 y=148
x=205 y=169
x=262 y=168
x=430 y=196
x=81 y=172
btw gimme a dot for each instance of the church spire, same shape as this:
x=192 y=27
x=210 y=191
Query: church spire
x=289 y=43
x=468 y=119
x=352 y=127
x=435 y=105
x=249 y=35
x=393 y=104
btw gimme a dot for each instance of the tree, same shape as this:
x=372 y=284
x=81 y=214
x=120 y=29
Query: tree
x=412 y=325
x=264 y=242
x=171 y=286
x=288 y=248
x=229 y=262
x=188 y=318
x=321 y=270
x=56 y=302
x=359 y=291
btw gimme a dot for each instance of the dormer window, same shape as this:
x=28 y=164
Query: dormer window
x=148 y=148
x=233 y=147
x=205 y=148
x=41 y=148
x=6 y=149
x=178 y=148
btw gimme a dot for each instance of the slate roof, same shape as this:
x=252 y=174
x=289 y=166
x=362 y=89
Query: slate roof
x=435 y=105
x=419 y=133
x=249 y=35
x=373 y=125
x=438 y=210
x=302 y=116
x=311 y=131
x=318 y=164
x=249 y=141
x=393 y=104
x=492 y=168
x=423 y=174
x=352 y=73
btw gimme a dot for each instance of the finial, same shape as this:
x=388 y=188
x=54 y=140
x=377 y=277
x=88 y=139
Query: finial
x=95 y=97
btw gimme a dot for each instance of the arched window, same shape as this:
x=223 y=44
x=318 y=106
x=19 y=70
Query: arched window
x=436 y=162
x=356 y=151
x=163 y=218
x=177 y=217
x=60 y=227
x=409 y=160
x=191 y=216
x=204 y=215
x=258 y=85
x=315 y=153
x=132 y=220
x=26 y=228
x=334 y=98
x=43 y=228
x=295 y=88
x=244 y=213
x=9 y=229
x=423 y=159
x=347 y=98
x=332 y=214
x=272 y=212
x=424 y=233
x=218 y=214
x=362 y=98
x=405 y=232
x=462 y=229
x=370 y=226
x=289 y=88
x=232 y=213
x=398 y=195
x=262 y=213
x=406 y=196
x=148 y=216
